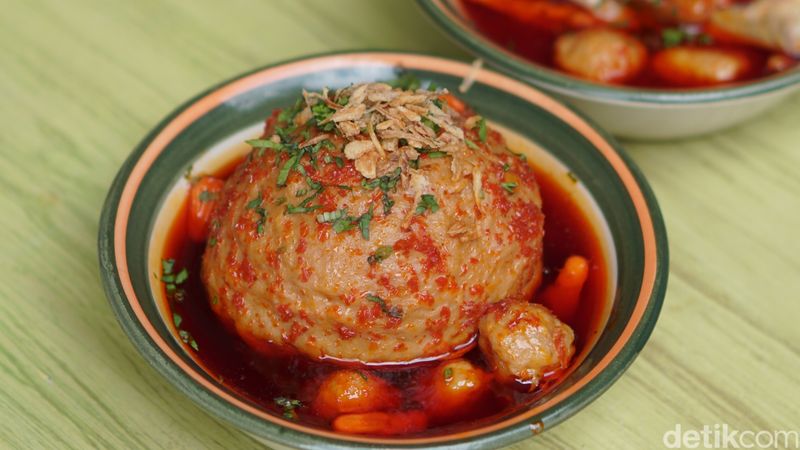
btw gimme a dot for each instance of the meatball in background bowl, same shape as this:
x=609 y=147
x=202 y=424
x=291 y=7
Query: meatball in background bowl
x=206 y=135
x=594 y=71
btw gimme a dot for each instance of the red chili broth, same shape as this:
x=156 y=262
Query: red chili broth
x=536 y=44
x=261 y=379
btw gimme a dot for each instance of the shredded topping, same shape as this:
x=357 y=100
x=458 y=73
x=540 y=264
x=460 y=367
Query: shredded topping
x=383 y=130
x=386 y=127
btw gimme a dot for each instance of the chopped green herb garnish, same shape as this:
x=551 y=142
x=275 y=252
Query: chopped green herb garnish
x=437 y=155
x=406 y=81
x=471 y=144
x=414 y=163
x=314 y=185
x=280 y=200
x=448 y=373
x=389 y=181
x=506 y=167
x=394 y=311
x=254 y=203
x=289 y=405
x=206 y=196
x=331 y=216
x=172 y=280
x=322 y=112
x=214 y=300
x=386 y=183
x=509 y=186
x=380 y=254
x=432 y=86
x=290 y=164
x=260 y=224
x=305 y=205
x=430 y=124
x=265 y=143
x=287 y=115
x=362 y=375
x=482 y=129
x=255 y=206
x=339 y=161
x=300 y=192
x=285 y=133
x=572 y=177
x=167 y=265
x=291 y=209
x=672 y=37
x=212 y=241
x=344 y=224
x=182 y=276
x=387 y=204
x=521 y=156
x=187 y=338
x=177 y=319
x=363 y=223
x=427 y=203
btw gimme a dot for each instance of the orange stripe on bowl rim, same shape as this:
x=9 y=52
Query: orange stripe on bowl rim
x=411 y=61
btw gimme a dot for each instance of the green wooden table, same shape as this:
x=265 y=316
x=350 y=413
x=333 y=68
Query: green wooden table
x=82 y=81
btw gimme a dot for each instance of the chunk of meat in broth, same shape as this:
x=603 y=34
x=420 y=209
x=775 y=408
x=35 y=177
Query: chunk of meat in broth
x=773 y=24
x=525 y=342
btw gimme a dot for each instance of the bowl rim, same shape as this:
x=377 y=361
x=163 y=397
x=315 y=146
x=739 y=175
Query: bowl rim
x=117 y=279
x=556 y=81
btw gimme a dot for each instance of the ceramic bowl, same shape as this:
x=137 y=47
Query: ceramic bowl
x=638 y=113
x=201 y=132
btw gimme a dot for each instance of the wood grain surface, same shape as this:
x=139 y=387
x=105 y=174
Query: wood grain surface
x=82 y=81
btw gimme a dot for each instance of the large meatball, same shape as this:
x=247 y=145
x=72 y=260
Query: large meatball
x=375 y=232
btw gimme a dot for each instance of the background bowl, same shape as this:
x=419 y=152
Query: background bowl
x=625 y=111
x=141 y=194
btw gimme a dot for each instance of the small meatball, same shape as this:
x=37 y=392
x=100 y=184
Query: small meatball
x=694 y=66
x=352 y=391
x=600 y=54
x=456 y=384
x=525 y=342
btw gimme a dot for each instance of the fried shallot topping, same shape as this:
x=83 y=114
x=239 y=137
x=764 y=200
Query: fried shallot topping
x=386 y=127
